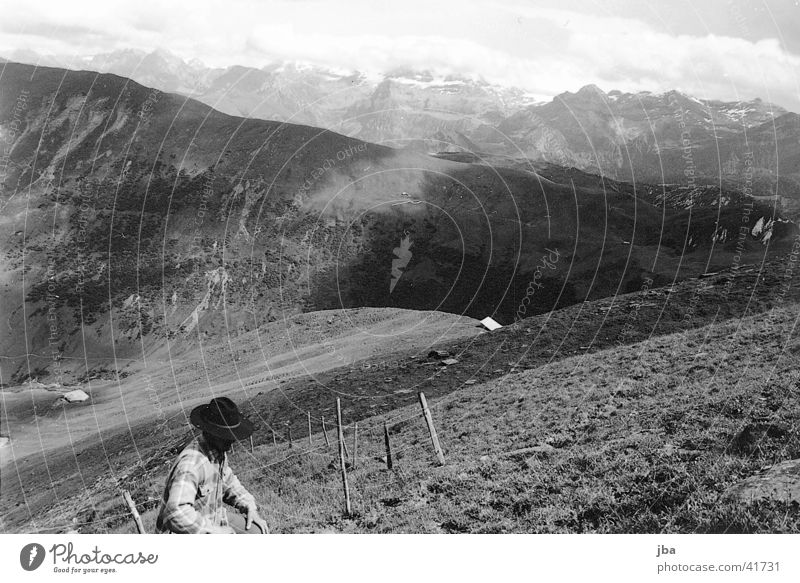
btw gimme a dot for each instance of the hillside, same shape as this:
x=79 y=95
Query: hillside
x=152 y=394
x=645 y=408
x=133 y=219
x=647 y=438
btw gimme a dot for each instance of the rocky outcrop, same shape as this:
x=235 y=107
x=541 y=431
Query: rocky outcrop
x=781 y=483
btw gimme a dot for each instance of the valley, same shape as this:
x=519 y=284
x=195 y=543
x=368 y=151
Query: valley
x=157 y=252
x=140 y=217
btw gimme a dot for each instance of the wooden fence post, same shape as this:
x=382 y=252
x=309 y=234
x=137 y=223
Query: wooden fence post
x=325 y=433
x=429 y=420
x=310 y=443
x=289 y=427
x=347 y=509
x=355 y=445
x=132 y=507
x=274 y=441
x=251 y=443
x=388 y=446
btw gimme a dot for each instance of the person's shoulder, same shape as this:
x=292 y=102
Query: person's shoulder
x=191 y=454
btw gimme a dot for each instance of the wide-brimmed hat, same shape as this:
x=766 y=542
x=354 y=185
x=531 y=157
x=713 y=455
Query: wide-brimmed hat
x=221 y=418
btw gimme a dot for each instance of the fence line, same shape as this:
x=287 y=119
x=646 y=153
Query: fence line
x=319 y=447
x=369 y=451
x=322 y=451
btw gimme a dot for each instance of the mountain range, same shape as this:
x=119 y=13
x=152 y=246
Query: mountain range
x=635 y=137
x=162 y=244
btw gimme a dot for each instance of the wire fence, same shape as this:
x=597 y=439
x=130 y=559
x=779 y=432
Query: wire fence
x=368 y=470
x=371 y=444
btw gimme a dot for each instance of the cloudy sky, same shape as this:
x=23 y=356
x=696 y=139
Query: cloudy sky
x=723 y=49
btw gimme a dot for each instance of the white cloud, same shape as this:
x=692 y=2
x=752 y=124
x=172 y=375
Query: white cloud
x=545 y=50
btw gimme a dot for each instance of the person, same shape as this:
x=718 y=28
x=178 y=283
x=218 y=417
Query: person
x=201 y=481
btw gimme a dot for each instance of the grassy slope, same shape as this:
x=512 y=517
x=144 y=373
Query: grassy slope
x=646 y=438
x=44 y=466
x=617 y=459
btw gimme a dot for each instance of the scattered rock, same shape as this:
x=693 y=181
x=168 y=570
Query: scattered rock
x=470 y=382
x=4 y=441
x=449 y=361
x=438 y=354
x=781 y=483
x=76 y=396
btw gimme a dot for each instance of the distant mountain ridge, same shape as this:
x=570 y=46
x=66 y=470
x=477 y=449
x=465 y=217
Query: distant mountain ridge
x=635 y=137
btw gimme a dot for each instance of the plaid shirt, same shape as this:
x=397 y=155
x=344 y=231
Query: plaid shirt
x=198 y=484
